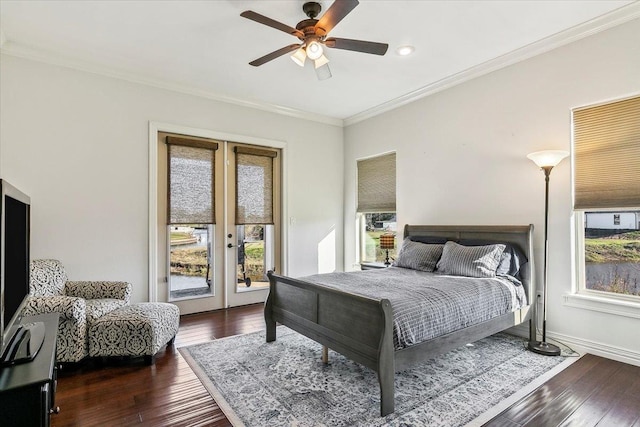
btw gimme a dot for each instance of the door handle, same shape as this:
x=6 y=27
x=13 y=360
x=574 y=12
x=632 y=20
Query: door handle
x=230 y=245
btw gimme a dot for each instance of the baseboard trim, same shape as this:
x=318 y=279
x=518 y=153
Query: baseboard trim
x=599 y=349
x=583 y=346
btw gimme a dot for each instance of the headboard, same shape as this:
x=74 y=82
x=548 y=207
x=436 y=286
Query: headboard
x=519 y=235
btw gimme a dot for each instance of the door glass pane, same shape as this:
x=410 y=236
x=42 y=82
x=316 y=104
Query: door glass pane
x=255 y=256
x=191 y=269
x=612 y=252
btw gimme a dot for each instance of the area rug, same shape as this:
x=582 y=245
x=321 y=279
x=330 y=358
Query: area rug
x=285 y=383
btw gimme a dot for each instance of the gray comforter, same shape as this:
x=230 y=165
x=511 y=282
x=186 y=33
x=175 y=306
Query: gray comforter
x=427 y=305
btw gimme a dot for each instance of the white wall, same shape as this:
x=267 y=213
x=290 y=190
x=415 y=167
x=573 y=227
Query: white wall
x=461 y=160
x=78 y=144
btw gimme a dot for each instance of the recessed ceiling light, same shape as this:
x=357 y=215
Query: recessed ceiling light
x=405 y=50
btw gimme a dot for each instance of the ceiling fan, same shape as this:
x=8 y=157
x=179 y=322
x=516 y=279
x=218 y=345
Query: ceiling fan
x=313 y=33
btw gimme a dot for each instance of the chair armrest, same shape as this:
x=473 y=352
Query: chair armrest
x=99 y=290
x=71 y=308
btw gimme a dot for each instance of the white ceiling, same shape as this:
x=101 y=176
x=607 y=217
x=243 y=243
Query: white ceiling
x=204 y=47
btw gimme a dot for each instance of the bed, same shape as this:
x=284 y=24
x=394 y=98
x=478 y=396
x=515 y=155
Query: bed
x=361 y=325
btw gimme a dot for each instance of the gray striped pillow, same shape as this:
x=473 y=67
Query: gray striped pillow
x=418 y=256
x=470 y=261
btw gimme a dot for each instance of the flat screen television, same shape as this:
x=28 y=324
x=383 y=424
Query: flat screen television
x=18 y=344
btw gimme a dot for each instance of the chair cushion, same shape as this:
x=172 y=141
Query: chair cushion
x=47 y=278
x=97 y=308
x=134 y=330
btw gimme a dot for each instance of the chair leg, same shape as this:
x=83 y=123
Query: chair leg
x=148 y=360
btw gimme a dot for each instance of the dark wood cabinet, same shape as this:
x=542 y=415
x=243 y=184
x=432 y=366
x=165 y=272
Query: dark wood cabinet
x=27 y=390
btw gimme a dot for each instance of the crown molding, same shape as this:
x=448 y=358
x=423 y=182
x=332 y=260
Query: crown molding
x=612 y=19
x=617 y=17
x=40 y=55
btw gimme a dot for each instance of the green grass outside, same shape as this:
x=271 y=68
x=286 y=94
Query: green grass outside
x=193 y=261
x=613 y=250
x=254 y=261
x=177 y=235
x=189 y=261
x=620 y=248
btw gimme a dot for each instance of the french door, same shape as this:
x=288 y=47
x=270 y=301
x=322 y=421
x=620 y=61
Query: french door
x=253 y=221
x=219 y=221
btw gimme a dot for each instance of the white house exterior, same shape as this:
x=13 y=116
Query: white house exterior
x=613 y=220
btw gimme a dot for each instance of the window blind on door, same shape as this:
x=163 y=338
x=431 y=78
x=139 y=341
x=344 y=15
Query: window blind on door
x=191 y=165
x=606 y=144
x=254 y=185
x=377 y=184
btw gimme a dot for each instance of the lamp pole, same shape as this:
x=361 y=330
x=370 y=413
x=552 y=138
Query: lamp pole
x=543 y=347
x=546 y=160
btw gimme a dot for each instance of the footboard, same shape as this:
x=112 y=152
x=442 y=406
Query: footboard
x=358 y=327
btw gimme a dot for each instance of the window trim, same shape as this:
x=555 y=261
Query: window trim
x=588 y=299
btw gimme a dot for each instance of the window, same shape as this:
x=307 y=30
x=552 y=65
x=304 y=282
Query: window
x=376 y=205
x=190 y=215
x=606 y=184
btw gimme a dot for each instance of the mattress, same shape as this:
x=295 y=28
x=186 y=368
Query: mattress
x=428 y=305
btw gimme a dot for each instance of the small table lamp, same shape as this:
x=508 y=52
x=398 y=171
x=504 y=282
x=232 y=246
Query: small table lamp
x=387 y=241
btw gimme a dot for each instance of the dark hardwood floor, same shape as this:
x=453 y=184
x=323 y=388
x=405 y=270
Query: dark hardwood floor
x=591 y=392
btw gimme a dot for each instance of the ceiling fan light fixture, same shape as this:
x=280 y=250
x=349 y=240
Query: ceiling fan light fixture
x=299 y=56
x=321 y=61
x=314 y=50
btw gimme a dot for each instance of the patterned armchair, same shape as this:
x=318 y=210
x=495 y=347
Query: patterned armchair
x=76 y=302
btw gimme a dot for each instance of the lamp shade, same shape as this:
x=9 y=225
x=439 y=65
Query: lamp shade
x=299 y=56
x=547 y=158
x=321 y=61
x=387 y=241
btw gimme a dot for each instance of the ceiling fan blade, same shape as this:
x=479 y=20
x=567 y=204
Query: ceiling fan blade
x=357 y=45
x=273 y=55
x=323 y=72
x=336 y=12
x=249 y=14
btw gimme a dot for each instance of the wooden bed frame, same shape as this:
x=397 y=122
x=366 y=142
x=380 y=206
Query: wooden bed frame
x=361 y=328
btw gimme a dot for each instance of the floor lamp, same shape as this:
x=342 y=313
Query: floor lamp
x=546 y=160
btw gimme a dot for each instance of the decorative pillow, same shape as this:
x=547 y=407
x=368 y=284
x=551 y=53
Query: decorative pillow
x=470 y=261
x=418 y=256
x=511 y=261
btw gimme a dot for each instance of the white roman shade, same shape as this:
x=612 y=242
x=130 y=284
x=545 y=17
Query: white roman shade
x=377 y=184
x=191 y=180
x=254 y=185
x=606 y=144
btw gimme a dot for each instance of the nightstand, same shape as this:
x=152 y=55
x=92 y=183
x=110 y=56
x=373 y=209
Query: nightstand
x=372 y=265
